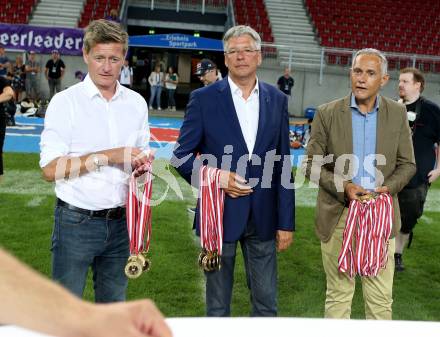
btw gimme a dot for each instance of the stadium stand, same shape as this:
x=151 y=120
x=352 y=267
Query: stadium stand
x=56 y=13
x=97 y=9
x=17 y=13
x=253 y=13
x=385 y=25
x=291 y=27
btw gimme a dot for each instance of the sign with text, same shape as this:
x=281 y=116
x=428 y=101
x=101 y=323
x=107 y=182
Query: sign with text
x=68 y=41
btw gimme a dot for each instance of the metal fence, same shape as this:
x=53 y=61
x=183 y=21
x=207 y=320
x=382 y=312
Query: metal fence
x=192 y=5
x=321 y=57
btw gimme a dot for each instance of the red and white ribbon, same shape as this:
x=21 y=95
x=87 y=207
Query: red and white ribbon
x=369 y=224
x=211 y=207
x=139 y=209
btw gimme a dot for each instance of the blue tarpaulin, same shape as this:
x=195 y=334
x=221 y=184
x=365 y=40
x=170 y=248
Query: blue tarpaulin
x=177 y=41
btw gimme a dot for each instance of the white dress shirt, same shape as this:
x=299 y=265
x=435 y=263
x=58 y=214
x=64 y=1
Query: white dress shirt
x=79 y=120
x=248 y=113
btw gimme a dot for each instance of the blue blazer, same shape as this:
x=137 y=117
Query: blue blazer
x=211 y=128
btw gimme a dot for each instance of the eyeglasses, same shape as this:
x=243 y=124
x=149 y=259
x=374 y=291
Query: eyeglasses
x=246 y=52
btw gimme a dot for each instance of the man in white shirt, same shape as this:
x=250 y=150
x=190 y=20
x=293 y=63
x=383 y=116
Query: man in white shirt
x=155 y=80
x=240 y=125
x=95 y=133
x=126 y=78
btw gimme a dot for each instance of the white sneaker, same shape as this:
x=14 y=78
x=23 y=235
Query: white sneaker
x=151 y=108
x=159 y=108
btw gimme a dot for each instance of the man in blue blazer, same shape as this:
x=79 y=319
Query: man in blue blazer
x=240 y=125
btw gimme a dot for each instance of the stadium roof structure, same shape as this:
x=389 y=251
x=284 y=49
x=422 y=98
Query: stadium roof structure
x=176 y=41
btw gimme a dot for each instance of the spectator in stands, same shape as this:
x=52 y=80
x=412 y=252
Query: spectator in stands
x=54 y=73
x=225 y=117
x=90 y=165
x=424 y=121
x=207 y=70
x=18 y=78
x=113 y=16
x=171 y=81
x=285 y=84
x=31 y=301
x=6 y=94
x=32 y=77
x=156 y=79
x=4 y=62
x=363 y=125
x=126 y=77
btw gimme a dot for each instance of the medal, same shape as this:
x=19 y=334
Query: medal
x=211 y=219
x=365 y=238
x=139 y=221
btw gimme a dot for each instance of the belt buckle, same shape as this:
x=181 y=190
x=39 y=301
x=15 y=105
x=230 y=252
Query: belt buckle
x=113 y=213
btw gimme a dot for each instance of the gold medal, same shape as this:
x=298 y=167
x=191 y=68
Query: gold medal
x=134 y=266
x=367 y=197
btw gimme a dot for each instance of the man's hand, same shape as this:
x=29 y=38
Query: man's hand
x=382 y=189
x=284 y=240
x=134 y=319
x=128 y=155
x=433 y=175
x=234 y=185
x=353 y=191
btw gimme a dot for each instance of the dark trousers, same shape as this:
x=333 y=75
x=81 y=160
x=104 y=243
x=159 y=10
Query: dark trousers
x=261 y=276
x=2 y=136
x=411 y=202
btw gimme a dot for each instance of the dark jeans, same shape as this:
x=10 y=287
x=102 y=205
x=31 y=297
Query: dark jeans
x=261 y=276
x=80 y=242
x=411 y=203
x=54 y=86
x=171 y=100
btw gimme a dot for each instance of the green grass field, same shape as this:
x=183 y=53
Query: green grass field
x=176 y=283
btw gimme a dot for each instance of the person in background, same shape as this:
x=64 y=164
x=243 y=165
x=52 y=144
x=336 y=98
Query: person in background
x=424 y=121
x=207 y=70
x=171 y=81
x=155 y=80
x=285 y=83
x=126 y=77
x=6 y=94
x=31 y=301
x=4 y=62
x=54 y=73
x=32 y=76
x=18 y=78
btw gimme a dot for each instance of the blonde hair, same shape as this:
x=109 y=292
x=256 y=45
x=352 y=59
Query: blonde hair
x=104 y=31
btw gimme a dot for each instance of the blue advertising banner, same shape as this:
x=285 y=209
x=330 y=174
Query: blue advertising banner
x=178 y=41
x=42 y=39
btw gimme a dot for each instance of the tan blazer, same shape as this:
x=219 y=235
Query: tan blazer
x=331 y=136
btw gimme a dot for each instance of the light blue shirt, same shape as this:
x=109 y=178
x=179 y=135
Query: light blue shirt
x=364 y=143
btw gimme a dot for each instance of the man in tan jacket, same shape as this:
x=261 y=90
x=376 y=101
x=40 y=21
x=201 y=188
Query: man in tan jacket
x=359 y=143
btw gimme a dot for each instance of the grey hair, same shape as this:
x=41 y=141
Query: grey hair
x=237 y=31
x=372 y=51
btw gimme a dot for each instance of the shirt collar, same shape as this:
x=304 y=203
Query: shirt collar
x=354 y=105
x=92 y=90
x=237 y=91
